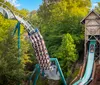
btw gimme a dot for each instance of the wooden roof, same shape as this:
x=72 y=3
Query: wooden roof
x=83 y=20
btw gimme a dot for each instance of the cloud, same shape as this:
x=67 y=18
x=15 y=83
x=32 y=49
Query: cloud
x=14 y=2
x=95 y=4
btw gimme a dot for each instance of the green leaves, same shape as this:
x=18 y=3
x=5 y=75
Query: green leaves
x=67 y=52
x=11 y=72
x=97 y=8
x=60 y=25
x=62 y=30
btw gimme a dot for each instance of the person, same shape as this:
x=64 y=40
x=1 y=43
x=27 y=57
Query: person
x=92 y=48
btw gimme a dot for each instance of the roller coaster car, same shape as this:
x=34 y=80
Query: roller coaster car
x=92 y=48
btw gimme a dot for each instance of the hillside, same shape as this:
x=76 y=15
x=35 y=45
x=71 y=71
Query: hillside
x=59 y=24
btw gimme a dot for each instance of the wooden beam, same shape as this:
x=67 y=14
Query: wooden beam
x=93 y=19
x=92 y=25
x=98 y=22
x=94 y=33
x=87 y=22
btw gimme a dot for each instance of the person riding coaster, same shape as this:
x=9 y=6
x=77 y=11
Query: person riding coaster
x=92 y=48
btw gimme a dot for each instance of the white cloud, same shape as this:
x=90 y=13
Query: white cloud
x=95 y=4
x=14 y=2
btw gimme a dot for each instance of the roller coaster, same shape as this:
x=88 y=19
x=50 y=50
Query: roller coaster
x=45 y=66
x=50 y=67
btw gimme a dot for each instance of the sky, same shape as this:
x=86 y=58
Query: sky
x=34 y=4
x=27 y=4
x=94 y=3
x=30 y=4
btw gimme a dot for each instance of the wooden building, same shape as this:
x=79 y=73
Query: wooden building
x=92 y=31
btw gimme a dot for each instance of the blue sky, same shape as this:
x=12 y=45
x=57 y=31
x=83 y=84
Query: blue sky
x=34 y=4
x=94 y=3
x=30 y=4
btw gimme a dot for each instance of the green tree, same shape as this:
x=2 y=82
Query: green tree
x=11 y=72
x=67 y=53
x=33 y=17
x=60 y=18
x=97 y=8
x=23 y=12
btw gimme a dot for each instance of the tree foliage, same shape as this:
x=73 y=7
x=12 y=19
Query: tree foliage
x=67 y=53
x=58 y=19
x=11 y=72
x=97 y=8
x=59 y=23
